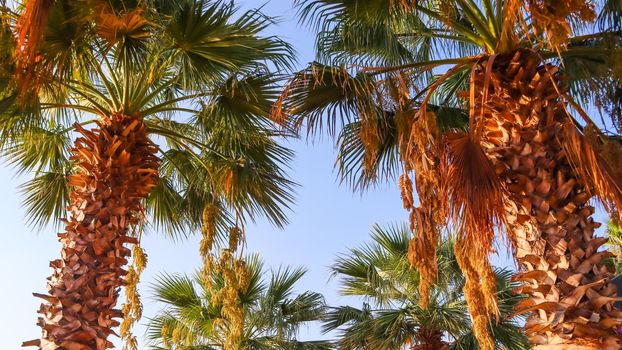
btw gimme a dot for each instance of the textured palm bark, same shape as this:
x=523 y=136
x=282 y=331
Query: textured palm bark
x=115 y=168
x=550 y=224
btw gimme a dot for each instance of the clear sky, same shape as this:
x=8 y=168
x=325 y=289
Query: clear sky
x=327 y=219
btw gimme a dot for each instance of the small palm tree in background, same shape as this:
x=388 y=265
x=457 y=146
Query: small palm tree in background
x=124 y=110
x=614 y=233
x=191 y=319
x=474 y=101
x=392 y=318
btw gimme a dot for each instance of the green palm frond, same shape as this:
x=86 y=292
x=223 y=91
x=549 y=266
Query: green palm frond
x=336 y=317
x=45 y=198
x=362 y=44
x=610 y=15
x=241 y=102
x=325 y=95
x=165 y=208
x=66 y=43
x=352 y=155
x=282 y=282
x=175 y=290
x=592 y=65
x=208 y=44
x=40 y=149
x=330 y=98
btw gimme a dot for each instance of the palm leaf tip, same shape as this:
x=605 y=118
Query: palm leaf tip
x=45 y=198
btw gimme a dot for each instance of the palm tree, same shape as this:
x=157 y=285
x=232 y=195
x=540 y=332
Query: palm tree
x=391 y=317
x=274 y=314
x=474 y=98
x=177 y=95
x=614 y=244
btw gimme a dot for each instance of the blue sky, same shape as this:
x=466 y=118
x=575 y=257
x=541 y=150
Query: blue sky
x=327 y=219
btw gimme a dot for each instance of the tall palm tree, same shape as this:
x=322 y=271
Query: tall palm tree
x=391 y=317
x=177 y=96
x=191 y=319
x=474 y=98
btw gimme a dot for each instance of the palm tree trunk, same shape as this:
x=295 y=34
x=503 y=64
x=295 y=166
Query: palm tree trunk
x=570 y=297
x=115 y=168
x=430 y=340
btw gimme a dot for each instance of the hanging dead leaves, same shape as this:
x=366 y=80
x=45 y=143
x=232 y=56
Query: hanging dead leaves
x=523 y=166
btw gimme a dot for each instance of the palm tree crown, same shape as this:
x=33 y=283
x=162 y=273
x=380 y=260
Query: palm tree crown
x=391 y=317
x=274 y=312
x=178 y=96
x=204 y=91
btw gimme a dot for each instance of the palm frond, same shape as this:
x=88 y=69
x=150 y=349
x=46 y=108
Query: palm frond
x=210 y=42
x=45 y=198
x=175 y=290
x=40 y=149
x=282 y=282
x=324 y=95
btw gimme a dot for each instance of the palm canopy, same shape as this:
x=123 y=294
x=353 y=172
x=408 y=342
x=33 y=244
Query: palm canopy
x=369 y=52
x=274 y=312
x=198 y=74
x=391 y=317
x=408 y=88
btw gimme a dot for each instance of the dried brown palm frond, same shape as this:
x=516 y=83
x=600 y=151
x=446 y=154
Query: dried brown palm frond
x=30 y=27
x=609 y=148
x=475 y=200
x=113 y=27
x=404 y=5
x=406 y=191
x=553 y=17
x=418 y=138
x=423 y=159
x=371 y=138
x=474 y=192
x=592 y=167
x=422 y=250
x=421 y=152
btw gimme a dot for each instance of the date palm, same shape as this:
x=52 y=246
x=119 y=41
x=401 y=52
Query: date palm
x=128 y=110
x=191 y=319
x=474 y=99
x=391 y=317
